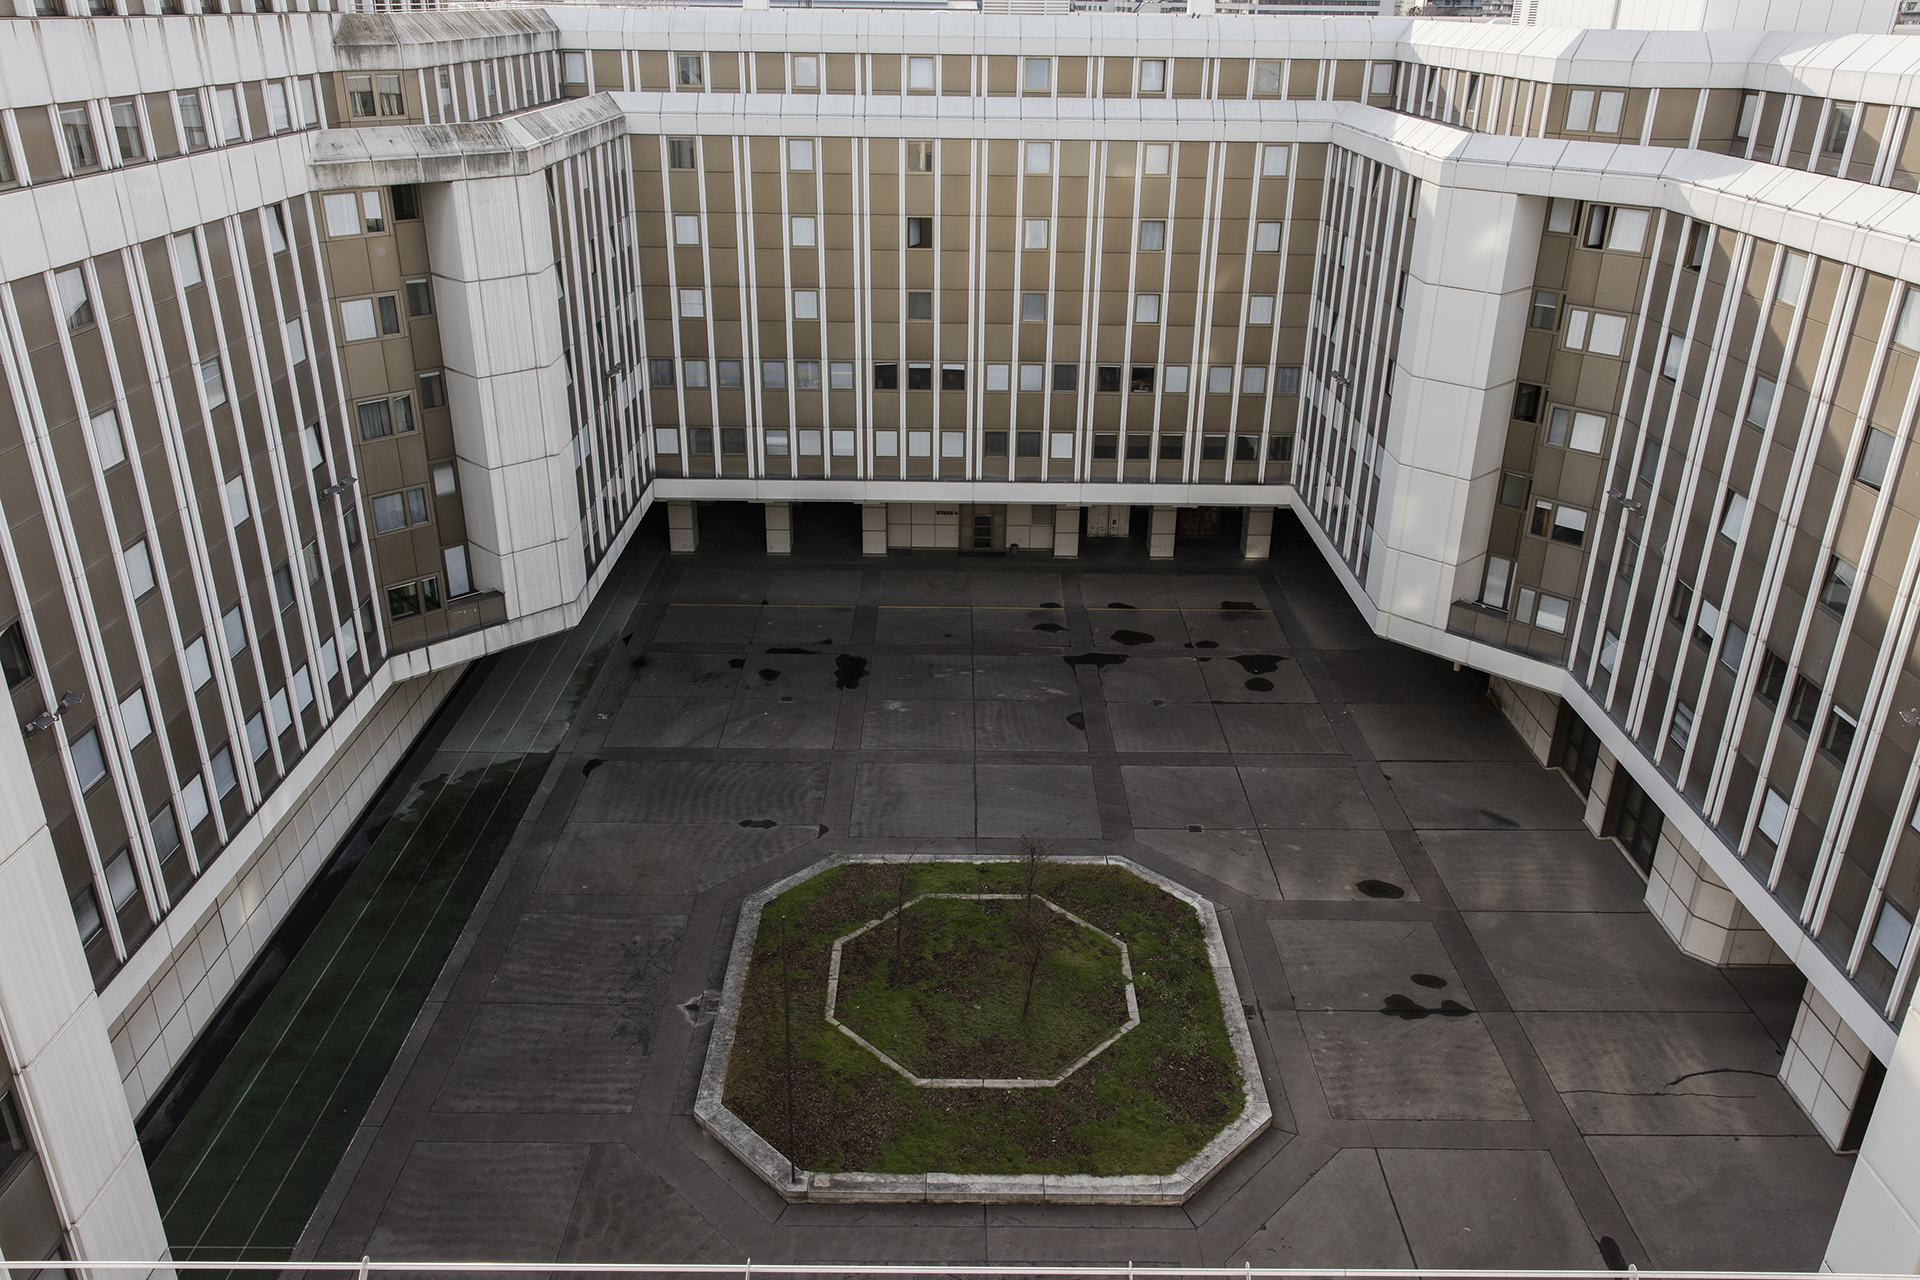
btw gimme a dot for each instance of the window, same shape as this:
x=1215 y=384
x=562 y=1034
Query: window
x=1562 y=216
x=840 y=375
x=1595 y=331
x=1246 y=448
x=1558 y=523
x=680 y=153
x=777 y=442
x=660 y=375
x=362 y=318
x=1793 y=277
x=919 y=233
x=224 y=777
x=1749 y=116
x=1773 y=678
x=1174 y=381
x=733 y=442
x=227 y=102
x=108 y=450
x=920 y=73
x=1733 y=516
x=283 y=586
x=919 y=305
x=122 y=886
x=953 y=377
x=1106 y=379
x=135 y=719
x=1876 y=454
x=1513 y=490
x=802 y=233
x=693 y=304
x=919 y=377
x=1266 y=237
x=1269 y=77
x=1287 y=380
x=920 y=157
x=1680 y=728
x=1170 y=448
x=1213 y=448
x=806 y=304
x=1839 y=129
x=806 y=71
x=806 y=375
x=1039 y=157
x=1037 y=76
x=1106 y=446
x=1159 y=159
x=1146 y=309
x=233 y=629
x=1733 y=646
x=1699 y=240
x=686 y=228
x=360 y=95
x=1033 y=308
x=1035 y=233
x=139 y=562
x=1573 y=429
x=1609 y=652
x=773 y=375
x=1707 y=624
x=408 y=600
x=1253 y=381
x=1837 y=737
x=1139 y=448
x=1526 y=401
x=886 y=377
x=89 y=765
x=1837 y=590
x=1760 y=404
x=1545 y=313
x=999 y=377
x=193 y=121
x=1676 y=355
x=800 y=155
x=310 y=553
x=886 y=444
x=399 y=510
x=381 y=418
x=700 y=441
x=1260 y=309
x=1606 y=115
x=351 y=214
x=14 y=660
x=1220 y=380
x=1141 y=382
x=258 y=743
x=1027 y=444
x=433 y=391
x=1273 y=160
x=1153 y=236
x=1805 y=704
x=689 y=73
x=1550 y=614
x=1066 y=377
x=1580 y=111
x=75 y=304
x=666 y=440
x=1153 y=75
x=1033 y=377
x=1639 y=823
x=76 y=126
x=126 y=131
x=310 y=103
x=392 y=101
x=729 y=374
x=186 y=259
x=695 y=373
x=212 y=383
x=573 y=68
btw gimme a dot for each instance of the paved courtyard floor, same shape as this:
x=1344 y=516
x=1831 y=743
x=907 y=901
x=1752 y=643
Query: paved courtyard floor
x=1606 y=1100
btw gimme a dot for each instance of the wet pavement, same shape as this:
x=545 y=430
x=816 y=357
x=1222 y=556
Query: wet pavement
x=1480 y=1048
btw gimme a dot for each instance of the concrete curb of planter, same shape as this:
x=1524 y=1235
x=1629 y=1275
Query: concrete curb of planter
x=800 y=1185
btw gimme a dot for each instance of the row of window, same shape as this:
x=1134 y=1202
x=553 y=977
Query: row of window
x=1033 y=306
x=809 y=442
x=1036 y=74
x=1036 y=157
x=1036 y=233
x=1138 y=379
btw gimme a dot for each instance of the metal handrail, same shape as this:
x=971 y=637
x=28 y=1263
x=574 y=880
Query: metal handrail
x=749 y=1269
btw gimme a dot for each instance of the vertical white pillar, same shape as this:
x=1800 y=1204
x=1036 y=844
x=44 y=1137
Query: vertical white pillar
x=1879 y=1225
x=1160 y=536
x=55 y=1038
x=683 y=528
x=779 y=528
x=1256 y=533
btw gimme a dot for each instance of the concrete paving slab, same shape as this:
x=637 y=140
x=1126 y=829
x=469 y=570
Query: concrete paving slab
x=674 y=791
x=1186 y=796
x=603 y=1226
x=1344 y=1217
x=1219 y=591
x=1138 y=630
x=804 y=625
x=1015 y=589
x=685 y=675
x=915 y=585
x=1501 y=1209
x=724 y=586
x=797 y=585
x=903 y=626
x=792 y=726
x=667 y=860
x=1052 y=801
x=1485 y=796
x=708 y=624
x=1154 y=678
x=1571 y=960
x=1330 y=866
x=1029 y=726
x=1678 y=1192
x=1444 y=732
x=513 y=1207
x=916 y=725
x=927 y=800
x=1284 y=730
x=1041 y=677
x=893 y=675
x=669 y=722
x=1257 y=677
x=588 y=957
x=1289 y=798
x=1173 y=727
x=1363 y=964
x=1534 y=871
x=1375 y=1066
x=1233 y=629
x=1011 y=628
x=1236 y=859
x=544 y=1058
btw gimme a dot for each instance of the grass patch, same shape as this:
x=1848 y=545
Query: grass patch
x=1144 y=1106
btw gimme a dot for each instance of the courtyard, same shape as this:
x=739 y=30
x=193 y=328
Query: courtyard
x=1479 y=1047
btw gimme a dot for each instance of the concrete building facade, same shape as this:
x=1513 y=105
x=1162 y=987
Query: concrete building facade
x=343 y=348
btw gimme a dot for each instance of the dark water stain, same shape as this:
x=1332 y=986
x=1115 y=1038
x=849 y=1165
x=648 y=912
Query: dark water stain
x=769 y=674
x=586 y=770
x=1380 y=889
x=1118 y=604
x=1051 y=604
x=626 y=637
x=1499 y=819
x=1195 y=827
x=736 y=663
x=1430 y=980
x=639 y=662
x=1095 y=660
x=786 y=697
x=1242 y=606
x=1260 y=684
x=848 y=671
x=1259 y=664
x=790 y=649
x=1408 y=1010
x=761 y=824
x=1203 y=644
x=1611 y=1254
x=1078 y=719
x=824 y=640
x=1131 y=638
x=1048 y=626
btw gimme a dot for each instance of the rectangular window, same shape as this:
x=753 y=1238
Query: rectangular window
x=840 y=375
x=1837 y=737
x=777 y=442
x=806 y=71
x=212 y=382
x=1676 y=355
x=76 y=126
x=1033 y=377
x=1106 y=379
x=1033 y=308
x=360 y=95
x=919 y=233
x=1174 y=381
x=920 y=73
x=1793 y=277
x=1733 y=646
x=1066 y=377
x=886 y=377
x=773 y=375
x=800 y=155
x=233 y=630
x=733 y=442
x=1526 y=401
x=1159 y=159
x=1837 y=590
x=1545 y=313
x=227 y=102
x=1106 y=446
x=1039 y=157
x=660 y=375
x=1274 y=159
x=1609 y=652
x=375 y=418
x=1153 y=235
x=1141 y=382
x=75 y=303
x=419 y=298
x=433 y=391
x=393 y=101
x=729 y=375
x=1036 y=233
x=139 y=563
x=1038 y=76
x=89 y=765
x=919 y=377
x=1749 y=116
x=1513 y=490
x=806 y=304
x=693 y=304
x=1253 y=381
x=1760 y=405
x=801 y=232
x=1773 y=677
x=1733 y=516
x=700 y=441
x=689 y=72
x=108 y=449
x=920 y=305
x=1171 y=448
x=258 y=743
x=1213 y=448
x=696 y=375
x=1572 y=429
x=1699 y=239
x=1146 y=309
x=999 y=377
x=1268 y=77
x=1680 y=730
x=1266 y=237
x=806 y=375
x=1550 y=614
x=680 y=154
x=1139 y=448
x=1153 y=75
x=1606 y=115
x=953 y=377
x=1805 y=704
x=1562 y=216
x=126 y=131
x=1876 y=455
x=1580 y=111
x=1260 y=309
x=919 y=157
x=186 y=259
x=1839 y=128
x=1569 y=526
x=193 y=121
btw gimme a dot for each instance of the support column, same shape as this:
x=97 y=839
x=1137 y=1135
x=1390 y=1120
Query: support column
x=1066 y=533
x=1256 y=533
x=1879 y=1225
x=873 y=528
x=683 y=528
x=1160 y=537
x=1824 y=1067
x=1699 y=911
x=779 y=528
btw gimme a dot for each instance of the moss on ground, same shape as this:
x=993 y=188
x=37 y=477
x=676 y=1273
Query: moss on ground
x=1144 y=1106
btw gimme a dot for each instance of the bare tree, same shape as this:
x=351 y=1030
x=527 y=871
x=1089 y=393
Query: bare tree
x=900 y=881
x=1033 y=931
x=1035 y=853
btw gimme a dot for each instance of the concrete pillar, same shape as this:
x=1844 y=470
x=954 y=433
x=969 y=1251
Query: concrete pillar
x=1160 y=539
x=779 y=528
x=1600 y=792
x=1256 y=533
x=1699 y=911
x=683 y=528
x=1532 y=713
x=873 y=528
x=1879 y=1225
x=66 y=1081
x=1066 y=533
x=1824 y=1066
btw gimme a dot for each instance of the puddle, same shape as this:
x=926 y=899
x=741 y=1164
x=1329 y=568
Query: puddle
x=1203 y=644
x=1380 y=889
x=1095 y=660
x=1078 y=719
x=759 y=824
x=1430 y=980
x=1398 y=1006
x=586 y=770
x=1051 y=604
x=1131 y=638
x=1048 y=626
x=1260 y=684
x=1118 y=604
x=790 y=649
x=848 y=671
x=736 y=663
x=769 y=674
x=1243 y=606
x=1259 y=664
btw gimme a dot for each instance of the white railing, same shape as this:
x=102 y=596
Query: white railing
x=749 y=1270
